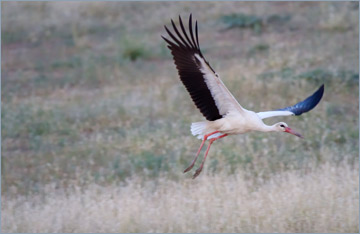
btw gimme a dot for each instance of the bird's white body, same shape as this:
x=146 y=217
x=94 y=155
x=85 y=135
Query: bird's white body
x=234 y=123
x=236 y=119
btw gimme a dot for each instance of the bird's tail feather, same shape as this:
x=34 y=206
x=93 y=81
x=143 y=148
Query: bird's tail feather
x=199 y=129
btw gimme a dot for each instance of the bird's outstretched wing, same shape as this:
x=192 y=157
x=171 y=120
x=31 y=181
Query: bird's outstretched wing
x=206 y=89
x=297 y=109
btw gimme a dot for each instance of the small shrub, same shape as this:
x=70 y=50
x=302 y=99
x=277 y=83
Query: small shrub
x=262 y=47
x=278 y=19
x=317 y=76
x=320 y=76
x=242 y=21
x=133 y=49
x=134 y=53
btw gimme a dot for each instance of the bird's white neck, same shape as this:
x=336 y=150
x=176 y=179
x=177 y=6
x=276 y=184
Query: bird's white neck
x=269 y=128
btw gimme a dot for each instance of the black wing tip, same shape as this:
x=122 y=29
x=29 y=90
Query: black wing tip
x=312 y=101
x=321 y=91
x=321 y=88
x=308 y=104
x=177 y=38
x=319 y=94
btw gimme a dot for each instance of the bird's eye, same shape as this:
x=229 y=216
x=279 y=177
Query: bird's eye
x=282 y=125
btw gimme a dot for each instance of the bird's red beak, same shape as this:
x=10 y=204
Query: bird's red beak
x=289 y=130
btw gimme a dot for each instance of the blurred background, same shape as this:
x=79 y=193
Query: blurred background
x=96 y=123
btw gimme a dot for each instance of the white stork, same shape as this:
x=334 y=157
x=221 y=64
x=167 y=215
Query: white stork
x=224 y=115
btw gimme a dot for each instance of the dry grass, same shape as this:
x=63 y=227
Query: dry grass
x=94 y=116
x=324 y=199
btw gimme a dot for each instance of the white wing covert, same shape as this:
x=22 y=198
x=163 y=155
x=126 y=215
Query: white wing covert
x=224 y=100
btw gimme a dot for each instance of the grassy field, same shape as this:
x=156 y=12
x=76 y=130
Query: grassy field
x=96 y=124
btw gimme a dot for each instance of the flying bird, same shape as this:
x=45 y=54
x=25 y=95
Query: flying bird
x=224 y=115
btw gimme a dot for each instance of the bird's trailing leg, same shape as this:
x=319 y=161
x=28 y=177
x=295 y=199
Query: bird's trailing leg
x=197 y=154
x=207 y=151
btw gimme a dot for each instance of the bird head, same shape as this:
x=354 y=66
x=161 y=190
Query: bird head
x=283 y=127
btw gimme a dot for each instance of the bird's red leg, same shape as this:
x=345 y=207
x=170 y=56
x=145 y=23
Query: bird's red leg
x=197 y=154
x=206 y=153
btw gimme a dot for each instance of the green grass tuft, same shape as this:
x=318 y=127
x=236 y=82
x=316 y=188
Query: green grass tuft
x=133 y=49
x=242 y=20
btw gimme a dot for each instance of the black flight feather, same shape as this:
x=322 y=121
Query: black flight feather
x=306 y=105
x=183 y=48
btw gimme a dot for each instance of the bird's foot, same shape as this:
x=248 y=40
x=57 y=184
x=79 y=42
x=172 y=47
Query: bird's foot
x=197 y=172
x=189 y=168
